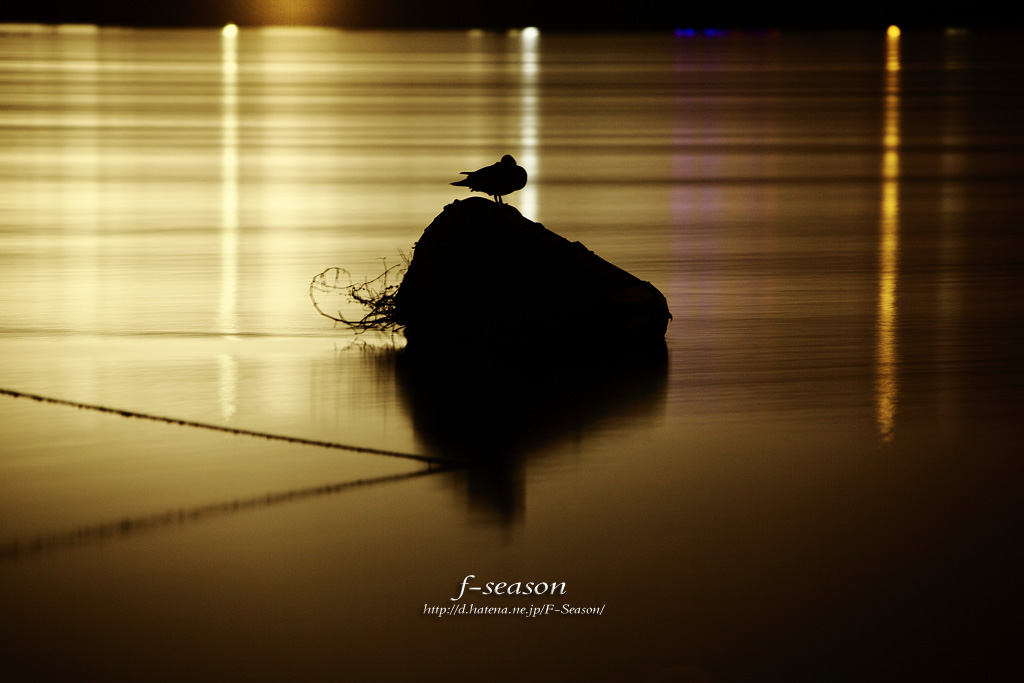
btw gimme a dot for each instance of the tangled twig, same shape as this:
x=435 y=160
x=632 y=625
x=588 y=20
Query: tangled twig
x=376 y=295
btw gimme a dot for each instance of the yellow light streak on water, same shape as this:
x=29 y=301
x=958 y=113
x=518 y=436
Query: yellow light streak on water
x=886 y=381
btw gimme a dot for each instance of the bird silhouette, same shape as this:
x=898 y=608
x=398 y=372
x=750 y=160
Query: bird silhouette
x=497 y=179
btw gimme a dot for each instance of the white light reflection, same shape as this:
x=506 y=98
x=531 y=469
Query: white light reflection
x=81 y=168
x=228 y=314
x=528 y=140
x=886 y=381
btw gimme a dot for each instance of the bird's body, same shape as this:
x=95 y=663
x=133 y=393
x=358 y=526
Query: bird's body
x=497 y=180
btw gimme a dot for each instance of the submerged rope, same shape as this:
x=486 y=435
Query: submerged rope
x=13 y=549
x=230 y=430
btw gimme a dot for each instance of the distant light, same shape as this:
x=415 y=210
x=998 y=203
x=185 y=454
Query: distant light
x=685 y=33
x=531 y=32
x=229 y=31
x=25 y=28
x=715 y=32
x=893 y=32
x=78 y=29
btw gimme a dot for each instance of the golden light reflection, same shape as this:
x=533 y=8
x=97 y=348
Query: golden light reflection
x=228 y=309
x=227 y=376
x=887 y=381
x=528 y=139
x=292 y=12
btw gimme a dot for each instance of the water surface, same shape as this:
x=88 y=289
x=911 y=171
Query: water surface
x=820 y=482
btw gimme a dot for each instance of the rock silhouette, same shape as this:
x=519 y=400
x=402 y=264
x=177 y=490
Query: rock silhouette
x=482 y=269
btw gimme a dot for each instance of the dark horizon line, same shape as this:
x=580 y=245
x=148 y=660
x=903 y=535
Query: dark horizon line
x=698 y=28
x=547 y=15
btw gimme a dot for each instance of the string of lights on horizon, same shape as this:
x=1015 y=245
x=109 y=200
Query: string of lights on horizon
x=232 y=29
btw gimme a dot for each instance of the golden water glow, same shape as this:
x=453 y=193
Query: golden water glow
x=292 y=12
x=886 y=379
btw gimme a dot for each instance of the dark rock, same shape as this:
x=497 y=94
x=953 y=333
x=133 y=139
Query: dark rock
x=482 y=266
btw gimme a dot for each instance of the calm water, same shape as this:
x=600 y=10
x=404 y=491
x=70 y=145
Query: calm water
x=820 y=485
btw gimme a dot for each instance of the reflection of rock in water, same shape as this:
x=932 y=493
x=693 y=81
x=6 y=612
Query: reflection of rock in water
x=571 y=340
x=495 y=410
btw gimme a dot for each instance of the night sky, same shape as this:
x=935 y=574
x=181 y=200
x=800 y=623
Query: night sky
x=546 y=14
